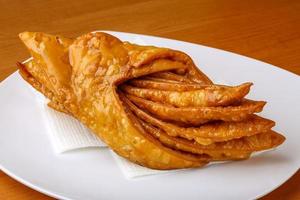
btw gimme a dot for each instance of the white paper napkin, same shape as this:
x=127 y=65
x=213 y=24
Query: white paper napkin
x=67 y=133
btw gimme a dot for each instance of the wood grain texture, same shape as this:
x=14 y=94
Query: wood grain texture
x=267 y=30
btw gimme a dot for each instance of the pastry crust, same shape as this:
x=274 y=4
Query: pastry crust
x=211 y=95
x=207 y=133
x=105 y=83
x=198 y=115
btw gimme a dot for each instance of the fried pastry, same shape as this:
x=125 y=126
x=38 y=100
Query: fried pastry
x=198 y=115
x=210 y=95
x=150 y=105
x=210 y=132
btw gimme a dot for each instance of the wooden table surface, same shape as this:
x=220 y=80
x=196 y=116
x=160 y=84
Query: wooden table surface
x=267 y=30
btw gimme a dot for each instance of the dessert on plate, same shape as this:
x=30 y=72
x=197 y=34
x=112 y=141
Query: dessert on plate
x=150 y=105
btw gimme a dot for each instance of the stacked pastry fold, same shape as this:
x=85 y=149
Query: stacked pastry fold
x=204 y=119
x=151 y=105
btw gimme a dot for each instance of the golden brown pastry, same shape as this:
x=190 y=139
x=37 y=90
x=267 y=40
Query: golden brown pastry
x=150 y=105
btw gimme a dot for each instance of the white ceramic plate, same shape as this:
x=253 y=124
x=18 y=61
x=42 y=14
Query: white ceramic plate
x=26 y=153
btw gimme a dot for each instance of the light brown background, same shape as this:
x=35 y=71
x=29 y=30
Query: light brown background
x=267 y=30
